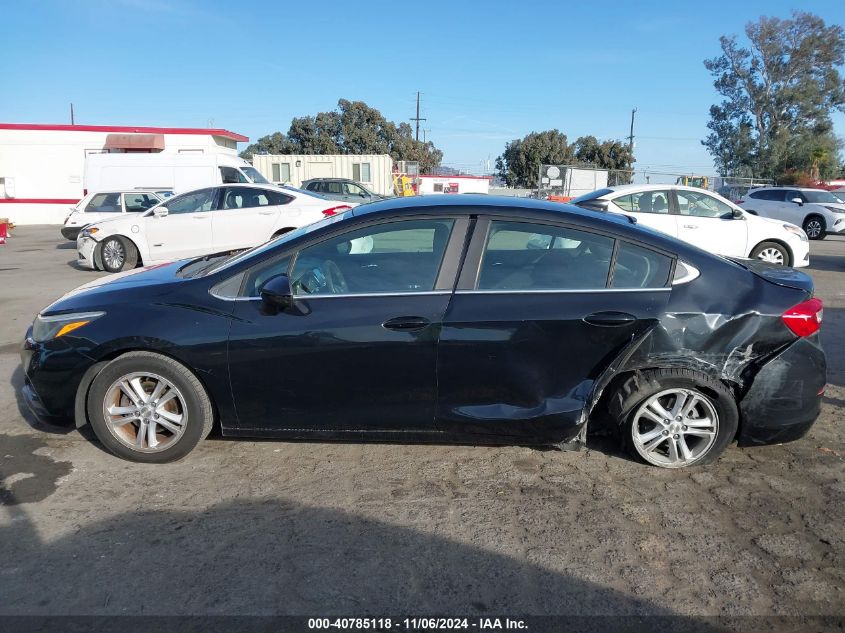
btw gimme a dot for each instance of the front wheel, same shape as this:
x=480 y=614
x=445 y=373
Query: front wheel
x=679 y=418
x=814 y=227
x=146 y=407
x=772 y=253
x=118 y=254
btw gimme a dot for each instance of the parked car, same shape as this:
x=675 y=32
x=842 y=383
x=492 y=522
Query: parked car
x=706 y=220
x=817 y=211
x=103 y=205
x=341 y=189
x=221 y=218
x=445 y=325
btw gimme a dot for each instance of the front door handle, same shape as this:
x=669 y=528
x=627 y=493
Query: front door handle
x=690 y=226
x=266 y=212
x=406 y=323
x=610 y=318
x=200 y=217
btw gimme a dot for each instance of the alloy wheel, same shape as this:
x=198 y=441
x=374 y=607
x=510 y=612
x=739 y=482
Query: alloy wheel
x=772 y=256
x=813 y=229
x=675 y=428
x=114 y=254
x=145 y=412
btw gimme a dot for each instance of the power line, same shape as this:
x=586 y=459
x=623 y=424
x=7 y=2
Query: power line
x=417 y=118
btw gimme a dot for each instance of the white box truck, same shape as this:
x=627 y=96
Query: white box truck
x=176 y=172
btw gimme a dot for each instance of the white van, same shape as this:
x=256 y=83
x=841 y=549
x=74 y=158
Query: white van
x=175 y=172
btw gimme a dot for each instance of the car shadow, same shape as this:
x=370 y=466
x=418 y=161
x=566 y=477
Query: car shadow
x=830 y=263
x=66 y=246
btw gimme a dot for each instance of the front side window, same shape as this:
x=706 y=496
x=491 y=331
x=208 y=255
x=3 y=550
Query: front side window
x=353 y=190
x=394 y=257
x=104 y=203
x=524 y=256
x=638 y=267
x=700 y=205
x=230 y=175
x=644 y=202
x=137 y=202
x=823 y=197
x=194 y=202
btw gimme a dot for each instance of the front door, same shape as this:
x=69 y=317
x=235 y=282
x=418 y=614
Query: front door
x=186 y=229
x=533 y=325
x=710 y=224
x=357 y=349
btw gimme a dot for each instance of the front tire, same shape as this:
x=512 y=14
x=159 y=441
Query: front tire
x=149 y=408
x=772 y=253
x=815 y=227
x=118 y=254
x=678 y=418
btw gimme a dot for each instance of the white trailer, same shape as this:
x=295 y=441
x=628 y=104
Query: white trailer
x=374 y=171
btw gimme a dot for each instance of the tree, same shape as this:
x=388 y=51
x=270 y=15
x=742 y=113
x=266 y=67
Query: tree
x=519 y=164
x=354 y=128
x=612 y=155
x=778 y=96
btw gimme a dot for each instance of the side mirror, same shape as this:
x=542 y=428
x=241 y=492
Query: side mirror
x=276 y=292
x=160 y=212
x=737 y=215
x=797 y=201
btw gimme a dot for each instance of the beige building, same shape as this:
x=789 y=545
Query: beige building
x=374 y=171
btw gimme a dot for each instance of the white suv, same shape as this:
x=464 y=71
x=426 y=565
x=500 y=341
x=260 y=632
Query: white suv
x=200 y=222
x=817 y=211
x=706 y=220
x=102 y=205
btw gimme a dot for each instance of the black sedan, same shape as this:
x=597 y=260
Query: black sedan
x=444 y=318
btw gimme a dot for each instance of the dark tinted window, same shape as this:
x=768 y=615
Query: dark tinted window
x=105 y=203
x=392 y=257
x=768 y=194
x=524 y=256
x=638 y=267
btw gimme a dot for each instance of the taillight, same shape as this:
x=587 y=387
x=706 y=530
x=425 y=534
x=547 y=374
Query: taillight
x=335 y=210
x=805 y=318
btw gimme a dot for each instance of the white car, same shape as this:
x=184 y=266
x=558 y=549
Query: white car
x=706 y=220
x=200 y=222
x=102 y=205
x=819 y=212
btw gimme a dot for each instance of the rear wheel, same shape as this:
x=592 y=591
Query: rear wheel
x=771 y=252
x=118 y=254
x=678 y=418
x=815 y=227
x=148 y=408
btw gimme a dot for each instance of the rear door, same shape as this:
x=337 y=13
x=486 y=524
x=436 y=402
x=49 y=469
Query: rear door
x=651 y=209
x=245 y=217
x=539 y=312
x=710 y=224
x=186 y=230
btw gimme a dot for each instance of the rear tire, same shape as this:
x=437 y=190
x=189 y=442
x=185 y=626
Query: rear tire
x=148 y=408
x=815 y=227
x=118 y=254
x=773 y=253
x=697 y=433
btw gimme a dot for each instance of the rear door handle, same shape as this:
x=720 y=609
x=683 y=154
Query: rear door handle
x=200 y=217
x=610 y=318
x=266 y=212
x=406 y=323
x=690 y=226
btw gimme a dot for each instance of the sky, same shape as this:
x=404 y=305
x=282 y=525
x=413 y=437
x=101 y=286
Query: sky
x=488 y=72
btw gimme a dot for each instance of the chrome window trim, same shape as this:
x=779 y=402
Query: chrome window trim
x=350 y=295
x=691 y=274
x=559 y=291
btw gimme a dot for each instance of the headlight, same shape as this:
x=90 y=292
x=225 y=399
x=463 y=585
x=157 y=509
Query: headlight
x=796 y=231
x=89 y=232
x=45 y=328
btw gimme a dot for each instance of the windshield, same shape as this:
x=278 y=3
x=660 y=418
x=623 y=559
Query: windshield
x=255 y=175
x=591 y=196
x=286 y=237
x=815 y=195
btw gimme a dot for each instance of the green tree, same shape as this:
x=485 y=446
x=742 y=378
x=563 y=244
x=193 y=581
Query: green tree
x=778 y=94
x=354 y=128
x=519 y=164
x=609 y=154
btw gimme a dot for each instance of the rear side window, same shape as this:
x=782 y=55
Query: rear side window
x=776 y=195
x=525 y=256
x=104 y=203
x=638 y=267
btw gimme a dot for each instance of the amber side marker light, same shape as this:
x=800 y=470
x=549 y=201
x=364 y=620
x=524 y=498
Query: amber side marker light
x=70 y=327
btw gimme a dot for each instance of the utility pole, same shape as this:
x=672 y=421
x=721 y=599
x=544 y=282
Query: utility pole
x=631 y=147
x=417 y=118
x=71 y=114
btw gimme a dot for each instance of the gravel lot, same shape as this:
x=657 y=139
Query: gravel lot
x=262 y=527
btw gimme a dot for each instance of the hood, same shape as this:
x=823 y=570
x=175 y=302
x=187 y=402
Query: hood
x=96 y=291
x=780 y=275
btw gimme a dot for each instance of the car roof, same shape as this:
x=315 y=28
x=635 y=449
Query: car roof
x=788 y=187
x=653 y=187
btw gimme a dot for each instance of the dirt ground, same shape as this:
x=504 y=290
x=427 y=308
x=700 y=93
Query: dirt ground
x=263 y=527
